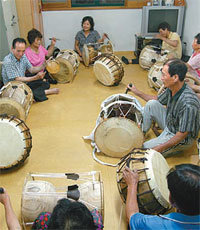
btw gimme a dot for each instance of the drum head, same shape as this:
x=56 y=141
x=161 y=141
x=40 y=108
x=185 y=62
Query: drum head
x=66 y=72
x=11 y=107
x=158 y=169
x=117 y=136
x=37 y=197
x=85 y=55
x=15 y=142
x=53 y=66
x=103 y=74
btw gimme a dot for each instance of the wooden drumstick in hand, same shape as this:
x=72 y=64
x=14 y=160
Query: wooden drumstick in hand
x=127 y=89
x=106 y=35
x=57 y=39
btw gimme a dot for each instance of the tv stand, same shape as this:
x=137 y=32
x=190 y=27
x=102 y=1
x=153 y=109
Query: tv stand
x=142 y=41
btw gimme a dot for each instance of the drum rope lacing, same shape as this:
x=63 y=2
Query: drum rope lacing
x=138 y=121
x=146 y=205
x=112 y=58
x=99 y=161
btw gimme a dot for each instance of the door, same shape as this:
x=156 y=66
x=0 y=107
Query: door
x=36 y=8
x=11 y=20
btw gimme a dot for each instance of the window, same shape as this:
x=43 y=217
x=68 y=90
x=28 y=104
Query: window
x=91 y=4
x=86 y=3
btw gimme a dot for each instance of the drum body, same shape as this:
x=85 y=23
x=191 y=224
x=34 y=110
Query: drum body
x=149 y=56
x=15 y=142
x=16 y=99
x=41 y=192
x=152 y=192
x=89 y=54
x=154 y=76
x=106 y=48
x=118 y=131
x=64 y=67
x=108 y=69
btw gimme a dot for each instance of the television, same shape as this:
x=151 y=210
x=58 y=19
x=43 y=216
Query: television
x=152 y=16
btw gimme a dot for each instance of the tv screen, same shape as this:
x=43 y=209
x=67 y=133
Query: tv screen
x=152 y=16
x=158 y=16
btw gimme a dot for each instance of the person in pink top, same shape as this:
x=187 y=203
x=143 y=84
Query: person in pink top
x=194 y=65
x=36 y=53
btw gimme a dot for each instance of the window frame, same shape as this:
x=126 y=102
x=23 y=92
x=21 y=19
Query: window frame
x=129 y=4
x=97 y=4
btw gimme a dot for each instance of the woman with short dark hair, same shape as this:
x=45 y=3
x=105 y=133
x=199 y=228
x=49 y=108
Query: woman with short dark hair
x=87 y=35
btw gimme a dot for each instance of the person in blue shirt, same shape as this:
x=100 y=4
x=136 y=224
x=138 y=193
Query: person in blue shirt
x=184 y=186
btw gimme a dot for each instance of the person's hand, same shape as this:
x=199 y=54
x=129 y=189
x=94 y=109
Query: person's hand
x=4 y=197
x=40 y=75
x=133 y=88
x=53 y=41
x=159 y=36
x=131 y=177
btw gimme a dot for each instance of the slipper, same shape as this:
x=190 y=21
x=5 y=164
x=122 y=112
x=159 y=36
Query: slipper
x=125 y=60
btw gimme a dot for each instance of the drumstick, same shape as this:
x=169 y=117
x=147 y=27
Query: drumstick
x=1 y=190
x=57 y=39
x=127 y=89
x=97 y=43
x=106 y=36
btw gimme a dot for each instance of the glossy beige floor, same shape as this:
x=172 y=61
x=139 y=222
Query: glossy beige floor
x=57 y=127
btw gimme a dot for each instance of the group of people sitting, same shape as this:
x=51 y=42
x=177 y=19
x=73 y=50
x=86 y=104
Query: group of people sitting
x=28 y=64
x=176 y=111
x=171 y=43
x=184 y=189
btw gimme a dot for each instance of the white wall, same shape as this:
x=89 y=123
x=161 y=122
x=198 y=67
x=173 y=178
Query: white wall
x=192 y=23
x=120 y=25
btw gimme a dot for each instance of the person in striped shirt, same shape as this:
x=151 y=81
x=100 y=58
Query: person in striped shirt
x=176 y=111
